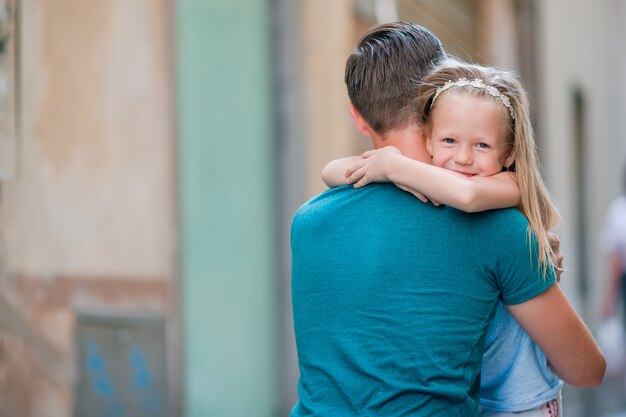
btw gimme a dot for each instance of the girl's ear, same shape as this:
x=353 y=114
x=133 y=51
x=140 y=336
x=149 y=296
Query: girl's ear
x=429 y=144
x=508 y=161
x=359 y=121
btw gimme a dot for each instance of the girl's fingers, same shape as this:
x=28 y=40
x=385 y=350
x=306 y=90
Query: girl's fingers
x=555 y=244
x=420 y=196
x=355 y=167
x=367 y=154
x=362 y=182
x=356 y=176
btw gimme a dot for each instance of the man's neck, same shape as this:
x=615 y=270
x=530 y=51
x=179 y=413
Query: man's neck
x=410 y=140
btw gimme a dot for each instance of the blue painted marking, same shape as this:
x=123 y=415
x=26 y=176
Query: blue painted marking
x=143 y=385
x=100 y=381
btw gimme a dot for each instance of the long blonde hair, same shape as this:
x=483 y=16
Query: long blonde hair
x=536 y=202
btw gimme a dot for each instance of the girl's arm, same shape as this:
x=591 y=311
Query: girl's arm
x=334 y=173
x=553 y=324
x=469 y=194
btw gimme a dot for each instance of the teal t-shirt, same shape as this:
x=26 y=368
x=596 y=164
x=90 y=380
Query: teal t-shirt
x=392 y=299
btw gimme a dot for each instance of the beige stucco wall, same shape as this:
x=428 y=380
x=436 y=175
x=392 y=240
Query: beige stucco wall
x=93 y=191
x=87 y=221
x=580 y=45
x=330 y=34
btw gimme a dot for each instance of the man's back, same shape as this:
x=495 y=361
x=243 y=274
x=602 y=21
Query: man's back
x=392 y=299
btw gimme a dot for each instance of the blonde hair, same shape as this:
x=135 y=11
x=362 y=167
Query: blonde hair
x=536 y=202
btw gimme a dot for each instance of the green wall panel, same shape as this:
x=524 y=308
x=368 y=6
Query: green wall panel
x=226 y=191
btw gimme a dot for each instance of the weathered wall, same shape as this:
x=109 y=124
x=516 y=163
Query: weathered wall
x=329 y=34
x=87 y=223
x=92 y=193
x=581 y=48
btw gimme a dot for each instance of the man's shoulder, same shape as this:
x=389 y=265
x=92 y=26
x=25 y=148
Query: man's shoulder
x=501 y=218
x=501 y=228
x=324 y=198
x=346 y=194
x=346 y=206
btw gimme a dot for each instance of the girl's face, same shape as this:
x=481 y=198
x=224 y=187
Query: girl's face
x=468 y=134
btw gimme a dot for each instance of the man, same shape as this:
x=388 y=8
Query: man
x=614 y=245
x=392 y=298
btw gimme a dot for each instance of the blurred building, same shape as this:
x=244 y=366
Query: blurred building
x=88 y=223
x=159 y=149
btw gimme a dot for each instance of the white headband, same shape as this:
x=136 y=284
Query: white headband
x=477 y=83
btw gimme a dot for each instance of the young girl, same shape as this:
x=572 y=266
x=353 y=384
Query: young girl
x=477 y=127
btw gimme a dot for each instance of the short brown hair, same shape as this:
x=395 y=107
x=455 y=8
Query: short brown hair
x=382 y=73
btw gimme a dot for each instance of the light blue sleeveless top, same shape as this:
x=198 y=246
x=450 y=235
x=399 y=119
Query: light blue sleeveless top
x=515 y=374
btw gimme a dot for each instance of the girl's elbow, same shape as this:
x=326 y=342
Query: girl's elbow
x=469 y=201
x=326 y=173
x=330 y=177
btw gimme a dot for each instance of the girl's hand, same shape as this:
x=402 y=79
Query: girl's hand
x=376 y=166
x=417 y=194
x=372 y=167
x=555 y=244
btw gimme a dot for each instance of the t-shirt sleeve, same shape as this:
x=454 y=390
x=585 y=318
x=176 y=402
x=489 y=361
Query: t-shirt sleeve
x=516 y=257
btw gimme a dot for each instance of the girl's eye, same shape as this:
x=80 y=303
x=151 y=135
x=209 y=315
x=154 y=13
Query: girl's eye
x=483 y=145
x=448 y=140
